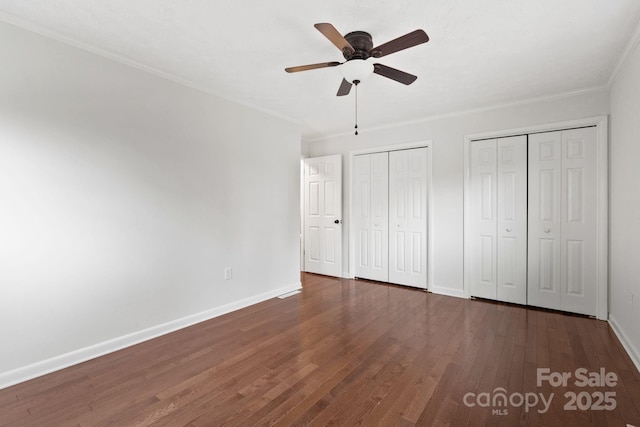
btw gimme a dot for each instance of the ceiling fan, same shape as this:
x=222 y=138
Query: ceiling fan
x=357 y=47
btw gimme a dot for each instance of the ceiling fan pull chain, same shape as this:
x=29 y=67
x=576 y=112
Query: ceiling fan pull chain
x=356 y=83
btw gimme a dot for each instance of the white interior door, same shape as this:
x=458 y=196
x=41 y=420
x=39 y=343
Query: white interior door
x=483 y=188
x=361 y=215
x=545 y=183
x=379 y=217
x=498 y=186
x=512 y=219
x=408 y=217
x=323 y=215
x=371 y=216
x=579 y=225
x=562 y=221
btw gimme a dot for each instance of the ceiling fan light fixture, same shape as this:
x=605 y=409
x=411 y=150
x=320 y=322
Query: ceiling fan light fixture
x=356 y=70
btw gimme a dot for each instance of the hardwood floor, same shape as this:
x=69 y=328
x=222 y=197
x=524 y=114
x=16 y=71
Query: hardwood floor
x=346 y=352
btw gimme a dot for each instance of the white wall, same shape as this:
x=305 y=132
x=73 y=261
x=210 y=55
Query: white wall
x=123 y=196
x=624 y=240
x=447 y=137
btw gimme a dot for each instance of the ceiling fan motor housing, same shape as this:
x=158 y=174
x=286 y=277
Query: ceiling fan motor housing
x=362 y=44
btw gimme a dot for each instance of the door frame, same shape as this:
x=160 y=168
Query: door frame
x=351 y=233
x=602 y=196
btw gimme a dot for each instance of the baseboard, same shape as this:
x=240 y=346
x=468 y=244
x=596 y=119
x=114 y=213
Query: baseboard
x=66 y=360
x=458 y=293
x=632 y=351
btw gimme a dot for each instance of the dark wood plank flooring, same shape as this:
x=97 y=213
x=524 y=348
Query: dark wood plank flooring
x=346 y=352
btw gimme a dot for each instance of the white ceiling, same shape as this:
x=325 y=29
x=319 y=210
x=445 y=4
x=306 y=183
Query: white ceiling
x=481 y=53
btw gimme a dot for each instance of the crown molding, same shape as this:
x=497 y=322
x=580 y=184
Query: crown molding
x=629 y=50
x=70 y=41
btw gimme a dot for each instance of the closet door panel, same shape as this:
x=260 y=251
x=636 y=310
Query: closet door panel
x=483 y=234
x=544 y=267
x=371 y=217
x=398 y=174
x=408 y=217
x=417 y=218
x=379 y=225
x=578 y=255
x=512 y=219
x=361 y=216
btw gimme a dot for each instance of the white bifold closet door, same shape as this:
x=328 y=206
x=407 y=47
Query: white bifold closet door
x=562 y=220
x=498 y=211
x=390 y=216
x=408 y=217
x=371 y=217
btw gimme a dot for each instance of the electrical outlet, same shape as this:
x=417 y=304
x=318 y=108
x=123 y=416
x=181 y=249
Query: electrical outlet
x=228 y=273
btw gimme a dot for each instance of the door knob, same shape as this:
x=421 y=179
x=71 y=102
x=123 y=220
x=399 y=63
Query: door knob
x=508 y=230
x=337 y=221
x=546 y=230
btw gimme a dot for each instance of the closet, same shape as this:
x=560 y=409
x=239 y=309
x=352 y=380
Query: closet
x=389 y=216
x=532 y=219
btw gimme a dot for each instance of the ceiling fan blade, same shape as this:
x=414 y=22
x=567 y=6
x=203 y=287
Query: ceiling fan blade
x=411 y=39
x=393 y=74
x=311 y=66
x=330 y=32
x=345 y=88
